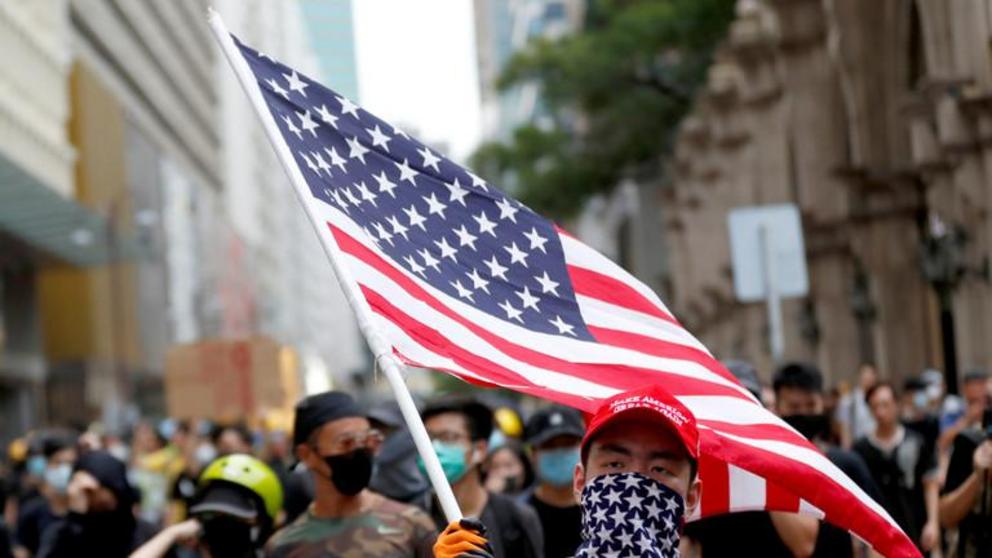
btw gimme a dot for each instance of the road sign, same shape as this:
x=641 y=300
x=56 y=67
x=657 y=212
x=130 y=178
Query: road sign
x=786 y=254
x=769 y=259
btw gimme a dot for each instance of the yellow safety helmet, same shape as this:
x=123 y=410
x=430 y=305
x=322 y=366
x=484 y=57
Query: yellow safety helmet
x=249 y=472
x=509 y=422
x=17 y=451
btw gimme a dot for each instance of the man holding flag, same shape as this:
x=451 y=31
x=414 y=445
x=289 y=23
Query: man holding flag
x=444 y=271
x=636 y=480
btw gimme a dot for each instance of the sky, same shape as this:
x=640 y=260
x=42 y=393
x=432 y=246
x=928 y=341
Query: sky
x=417 y=69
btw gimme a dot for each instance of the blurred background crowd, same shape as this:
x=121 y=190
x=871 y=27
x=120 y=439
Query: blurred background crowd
x=912 y=447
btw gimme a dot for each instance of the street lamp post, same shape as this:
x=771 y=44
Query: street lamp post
x=864 y=311
x=942 y=261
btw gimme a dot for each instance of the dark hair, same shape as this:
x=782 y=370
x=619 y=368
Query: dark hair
x=518 y=449
x=798 y=375
x=478 y=417
x=55 y=442
x=183 y=426
x=879 y=385
x=238 y=428
x=975 y=375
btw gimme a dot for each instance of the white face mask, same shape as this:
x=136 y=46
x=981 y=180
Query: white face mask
x=58 y=477
x=205 y=454
x=119 y=451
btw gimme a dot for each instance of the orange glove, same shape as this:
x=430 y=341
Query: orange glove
x=463 y=539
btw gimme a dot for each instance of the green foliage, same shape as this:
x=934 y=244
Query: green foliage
x=615 y=93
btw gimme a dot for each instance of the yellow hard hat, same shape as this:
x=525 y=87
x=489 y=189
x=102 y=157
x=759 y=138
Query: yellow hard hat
x=509 y=422
x=17 y=451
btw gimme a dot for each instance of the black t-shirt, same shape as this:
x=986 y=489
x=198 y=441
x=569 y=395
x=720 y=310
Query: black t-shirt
x=562 y=527
x=974 y=532
x=900 y=474
x=33 y=518
x=736 y=534
x=6 y=546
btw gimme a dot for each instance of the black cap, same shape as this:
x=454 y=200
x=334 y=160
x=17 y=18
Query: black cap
x=480 y=417
x=319 y=409
x=227 y=499
x=554 y=421
x=111 y=473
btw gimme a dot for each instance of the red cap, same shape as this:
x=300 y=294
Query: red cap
x=654 y=403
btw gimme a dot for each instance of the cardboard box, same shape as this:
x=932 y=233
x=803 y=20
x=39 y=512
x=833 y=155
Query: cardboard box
x=229 y=380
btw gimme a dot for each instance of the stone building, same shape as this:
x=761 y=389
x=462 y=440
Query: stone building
x=875 y=118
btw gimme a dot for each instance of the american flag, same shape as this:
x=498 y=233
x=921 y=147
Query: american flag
x=460 y=277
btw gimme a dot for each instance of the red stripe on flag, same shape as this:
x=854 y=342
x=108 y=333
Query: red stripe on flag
x=770 y=432
x=603 y=287
x=777 y=498
x=435 y=342
x=621 y=377
x=716 y=486
x=657 y=347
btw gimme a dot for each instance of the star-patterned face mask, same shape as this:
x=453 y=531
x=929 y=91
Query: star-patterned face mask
x=627 y=515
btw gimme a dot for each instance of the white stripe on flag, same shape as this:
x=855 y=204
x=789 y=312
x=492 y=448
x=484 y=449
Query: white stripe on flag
x=747 y=490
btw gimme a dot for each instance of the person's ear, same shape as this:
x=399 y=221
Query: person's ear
x=303 y=453
x=578 y=481
x=479 y=452
x=693 y=495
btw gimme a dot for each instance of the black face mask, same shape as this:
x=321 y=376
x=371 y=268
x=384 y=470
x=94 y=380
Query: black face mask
x=810 y=426
x=350 y=472
x=228 y=537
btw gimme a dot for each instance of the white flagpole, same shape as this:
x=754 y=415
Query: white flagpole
x=382 y=350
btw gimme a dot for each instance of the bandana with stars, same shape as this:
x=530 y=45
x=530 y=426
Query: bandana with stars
x=629 y=515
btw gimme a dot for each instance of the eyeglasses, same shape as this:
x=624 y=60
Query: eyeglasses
x=370 y=439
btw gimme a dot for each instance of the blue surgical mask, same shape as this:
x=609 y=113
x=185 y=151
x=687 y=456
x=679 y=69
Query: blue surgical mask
x=58 y=477
x=497 y=439
x=452 y=458
x=920 y=400
x=556 y=467
x=36 y=466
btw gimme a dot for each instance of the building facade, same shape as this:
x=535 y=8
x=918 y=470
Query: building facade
x=141 y=207
x=875 y=119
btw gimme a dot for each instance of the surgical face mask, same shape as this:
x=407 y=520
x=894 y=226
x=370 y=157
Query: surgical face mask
x=555 y=467
x=36 y=466
x=205 y=454
x=629 y=514
x=497 y=439
x=920 y=400
x=452 y=458
x=58 y=477
x=934 y=392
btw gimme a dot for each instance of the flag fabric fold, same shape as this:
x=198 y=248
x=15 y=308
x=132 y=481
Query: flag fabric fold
x=462 y=278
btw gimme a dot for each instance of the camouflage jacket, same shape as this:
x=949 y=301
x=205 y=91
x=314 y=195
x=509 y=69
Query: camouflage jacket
x=388 y=530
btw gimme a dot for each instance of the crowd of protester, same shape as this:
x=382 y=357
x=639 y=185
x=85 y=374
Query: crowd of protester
x=345 y=479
